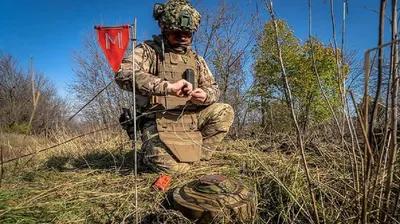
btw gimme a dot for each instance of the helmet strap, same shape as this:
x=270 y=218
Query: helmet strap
x=162 y=50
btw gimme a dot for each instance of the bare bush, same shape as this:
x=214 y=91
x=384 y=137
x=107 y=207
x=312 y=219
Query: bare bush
x=92 y=74
x=225 y=39
x=17 y=102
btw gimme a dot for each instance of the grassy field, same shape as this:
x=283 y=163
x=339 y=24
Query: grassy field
x=91 y=180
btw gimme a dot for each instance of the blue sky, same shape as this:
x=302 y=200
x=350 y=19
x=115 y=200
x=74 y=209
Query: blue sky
x=49 y=30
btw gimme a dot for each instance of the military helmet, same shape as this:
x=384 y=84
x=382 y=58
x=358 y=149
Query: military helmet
x=177 y=15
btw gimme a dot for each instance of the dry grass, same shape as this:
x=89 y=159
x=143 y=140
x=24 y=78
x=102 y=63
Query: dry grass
x=91 y=180
x=15 y=145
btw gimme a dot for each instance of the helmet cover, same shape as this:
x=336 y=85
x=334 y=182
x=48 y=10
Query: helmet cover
x=177 y=15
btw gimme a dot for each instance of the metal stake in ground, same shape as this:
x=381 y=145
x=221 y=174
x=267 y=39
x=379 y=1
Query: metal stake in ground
x=114 y=41
x=133 y=39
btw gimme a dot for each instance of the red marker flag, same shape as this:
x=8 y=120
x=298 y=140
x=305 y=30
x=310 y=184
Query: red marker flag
x=113 y=41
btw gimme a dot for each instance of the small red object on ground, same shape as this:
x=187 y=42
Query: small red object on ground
x=162 y=183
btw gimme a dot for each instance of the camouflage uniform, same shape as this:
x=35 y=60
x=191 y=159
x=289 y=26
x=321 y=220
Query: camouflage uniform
x=214 y=119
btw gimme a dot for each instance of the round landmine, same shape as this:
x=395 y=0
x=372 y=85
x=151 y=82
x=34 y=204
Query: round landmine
x=215 y=199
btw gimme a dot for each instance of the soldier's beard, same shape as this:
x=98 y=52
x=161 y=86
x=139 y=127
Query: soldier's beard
x=179 y=47
x=178 y=44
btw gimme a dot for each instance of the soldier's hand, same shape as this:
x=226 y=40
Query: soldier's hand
x=198 y=96
x=180 y=88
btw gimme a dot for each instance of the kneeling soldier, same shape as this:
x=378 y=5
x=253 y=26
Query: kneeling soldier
x=174 y=81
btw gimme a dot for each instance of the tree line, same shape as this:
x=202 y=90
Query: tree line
x=28 y=99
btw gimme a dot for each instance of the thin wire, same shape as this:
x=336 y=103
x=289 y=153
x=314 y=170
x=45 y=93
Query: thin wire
x=56 y=145
x=95 y=96
x=82 y=135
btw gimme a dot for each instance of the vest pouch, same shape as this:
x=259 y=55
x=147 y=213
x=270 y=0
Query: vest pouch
x=181 y=135
x=173 y=102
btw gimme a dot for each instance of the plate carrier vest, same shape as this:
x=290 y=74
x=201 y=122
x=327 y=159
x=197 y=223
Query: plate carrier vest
x=178 y=129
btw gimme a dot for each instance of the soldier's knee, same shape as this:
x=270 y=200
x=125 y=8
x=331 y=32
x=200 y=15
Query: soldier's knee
x=226 y=112
x=230 y=110
x=222 y=116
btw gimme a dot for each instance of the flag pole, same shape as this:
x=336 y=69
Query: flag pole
x=133 y=39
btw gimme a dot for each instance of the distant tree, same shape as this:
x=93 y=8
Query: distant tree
x=225 y=38
x=17 y=102
x=310 y=105
x=268 y=84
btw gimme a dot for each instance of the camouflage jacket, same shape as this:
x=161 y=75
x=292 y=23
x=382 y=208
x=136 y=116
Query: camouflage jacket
x=148 y=83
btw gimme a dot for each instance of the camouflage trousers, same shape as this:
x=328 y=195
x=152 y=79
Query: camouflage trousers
x=214 y=122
